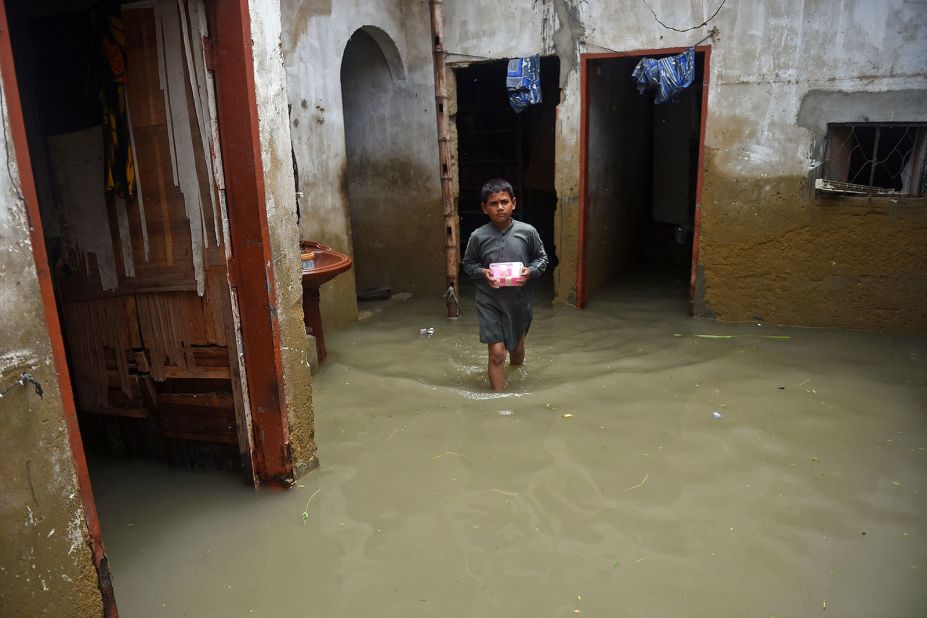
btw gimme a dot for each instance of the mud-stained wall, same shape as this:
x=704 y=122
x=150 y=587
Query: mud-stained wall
x=46 y=566
x=771 y=252
x=315 y=36
x=779 y=72
x=280 y=203
x=770 y=248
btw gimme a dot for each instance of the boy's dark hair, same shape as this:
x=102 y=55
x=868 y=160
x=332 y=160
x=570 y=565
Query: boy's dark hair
x=496 y=185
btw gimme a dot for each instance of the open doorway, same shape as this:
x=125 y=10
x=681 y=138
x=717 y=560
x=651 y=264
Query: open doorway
x=494 y=141
x=640 y=177
x=126 y=163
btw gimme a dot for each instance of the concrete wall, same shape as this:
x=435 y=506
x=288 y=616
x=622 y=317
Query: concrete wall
x=46 y=565
x=405 y=167
x=769 y=249
x=779 y=71
x=280 y=202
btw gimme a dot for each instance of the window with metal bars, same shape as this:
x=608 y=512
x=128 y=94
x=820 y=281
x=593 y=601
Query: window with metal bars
x=874 y=159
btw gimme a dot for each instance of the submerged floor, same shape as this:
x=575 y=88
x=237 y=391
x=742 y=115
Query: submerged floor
x=635 y=469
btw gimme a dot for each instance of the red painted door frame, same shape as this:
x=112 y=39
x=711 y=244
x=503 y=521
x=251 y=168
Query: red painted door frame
x=52 y=323
x=251 y=266
x=584 y=161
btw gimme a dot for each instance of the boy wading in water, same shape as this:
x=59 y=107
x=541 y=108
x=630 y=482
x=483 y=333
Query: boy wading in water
x=505 y=312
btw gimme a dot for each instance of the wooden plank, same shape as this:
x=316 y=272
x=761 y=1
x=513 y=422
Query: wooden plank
x=170 y=252
x=125 y=412
x=197 y=372
x=199 y=437
x=195 y=400
x=180 y=123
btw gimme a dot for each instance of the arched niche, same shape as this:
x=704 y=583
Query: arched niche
x=387 y=48
x=372 y=98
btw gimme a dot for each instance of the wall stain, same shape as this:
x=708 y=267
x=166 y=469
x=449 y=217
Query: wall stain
x=768 y=249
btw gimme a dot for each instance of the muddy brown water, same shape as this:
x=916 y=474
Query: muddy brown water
x=435 y=498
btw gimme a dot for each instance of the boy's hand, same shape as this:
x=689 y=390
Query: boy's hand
x=493 y=282
x=525 y=275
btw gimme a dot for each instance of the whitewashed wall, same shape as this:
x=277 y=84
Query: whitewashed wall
x=315 y=36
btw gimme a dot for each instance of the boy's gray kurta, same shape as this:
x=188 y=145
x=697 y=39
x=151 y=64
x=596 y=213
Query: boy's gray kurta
x=505 y=313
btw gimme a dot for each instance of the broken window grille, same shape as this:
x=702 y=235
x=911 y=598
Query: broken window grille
x=874 y=159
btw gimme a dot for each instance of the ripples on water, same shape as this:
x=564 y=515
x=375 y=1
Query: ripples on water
x=611 y=488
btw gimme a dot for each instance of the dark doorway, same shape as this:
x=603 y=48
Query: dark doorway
x=640 y=169
x=494 y=141
x=133 y=228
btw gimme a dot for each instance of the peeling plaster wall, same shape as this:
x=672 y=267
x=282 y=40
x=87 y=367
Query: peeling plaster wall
x=780 y=70
x=315 y=37
x=46 y=565
x=778 y=73
x=769 y=248
x=280 y=203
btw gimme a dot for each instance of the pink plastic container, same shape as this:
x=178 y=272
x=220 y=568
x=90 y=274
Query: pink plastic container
x=507 y=273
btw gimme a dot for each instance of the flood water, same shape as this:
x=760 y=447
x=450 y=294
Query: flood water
x=633 y=469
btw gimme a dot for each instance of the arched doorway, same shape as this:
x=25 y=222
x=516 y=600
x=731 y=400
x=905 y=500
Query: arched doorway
x=395 y=211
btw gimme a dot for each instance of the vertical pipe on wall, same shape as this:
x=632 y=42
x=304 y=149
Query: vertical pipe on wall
x=451 y=223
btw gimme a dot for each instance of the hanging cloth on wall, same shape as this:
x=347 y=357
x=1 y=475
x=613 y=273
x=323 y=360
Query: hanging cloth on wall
x=668 y=76
x=523 y=81
x=119 y=170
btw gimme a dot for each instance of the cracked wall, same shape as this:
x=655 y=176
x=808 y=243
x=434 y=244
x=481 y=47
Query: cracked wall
x=779 y=71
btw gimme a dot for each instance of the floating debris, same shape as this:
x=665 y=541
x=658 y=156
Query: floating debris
x=506 y=412
x=717 y=414
x=426 y=332
x=707 y=336
x=306 y=512
x=567 y=415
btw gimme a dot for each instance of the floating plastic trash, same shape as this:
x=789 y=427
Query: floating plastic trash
x=426 y=332
x=506 y=412
x=717 y=414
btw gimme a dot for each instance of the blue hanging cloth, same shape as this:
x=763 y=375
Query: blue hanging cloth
x=668 y=76
x=523 y=81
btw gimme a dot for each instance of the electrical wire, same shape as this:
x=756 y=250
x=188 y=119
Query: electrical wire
x=711 y=35
x=704 y=23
